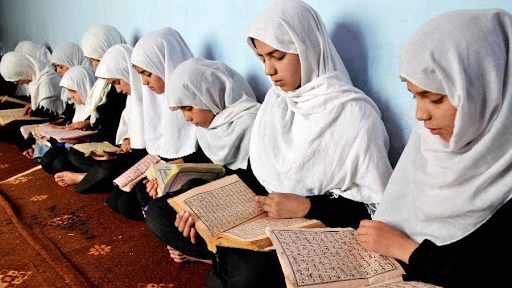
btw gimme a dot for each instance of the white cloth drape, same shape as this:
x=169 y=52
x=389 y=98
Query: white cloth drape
x=116 y=64
x=166 y=133
x=443 y=191
x=213 y=85
x=80 y=79
x=326 y=135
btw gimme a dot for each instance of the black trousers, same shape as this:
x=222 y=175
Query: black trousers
x=128 y=204
x=100 y=174
x=56 y=160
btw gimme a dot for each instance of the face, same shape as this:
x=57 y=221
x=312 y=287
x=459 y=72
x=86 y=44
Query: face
x=94 y=62
x=155 y=83
x=22 y=81
x=121 y=85
x=435 y=110
x=61 y=69
x=283 y=68
x=75 y=97
x=199 y=117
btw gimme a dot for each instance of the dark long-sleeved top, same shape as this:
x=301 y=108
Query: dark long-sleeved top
x=109 y=116
x=477 y=260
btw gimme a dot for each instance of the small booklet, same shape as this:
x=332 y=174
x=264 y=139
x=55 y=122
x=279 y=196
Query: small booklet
x=13 y=100
x=96 y=148
x=171 y=177
x=10 y=115
x=45 y=131
x=132 y=176
x=227 y=214
x=331 y=257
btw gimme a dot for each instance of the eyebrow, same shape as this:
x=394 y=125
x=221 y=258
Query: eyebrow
x=269 y=53
x=422 y=92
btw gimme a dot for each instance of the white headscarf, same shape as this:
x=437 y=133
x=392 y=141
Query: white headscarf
x=68 y=54
x=116 y=64
x=213 y=85
x=444 y=191
x=33 y=49
x=81 y=79
x=325 y=136
x=166 y=133
x=95 y=42
x=44 y=86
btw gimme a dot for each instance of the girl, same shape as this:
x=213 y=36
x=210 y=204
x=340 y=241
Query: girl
x=166 y=134
x=116 y=69
x=448 y=200
x=78 y=82
x=43 y=84
x=35 y=50
x=318 y=143
x=222 y=106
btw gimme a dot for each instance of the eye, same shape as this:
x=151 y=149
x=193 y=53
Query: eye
x=438 y=101
x=261 y=58
x=279 y=56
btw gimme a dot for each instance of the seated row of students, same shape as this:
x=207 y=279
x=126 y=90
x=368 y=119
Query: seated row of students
x=317 y=148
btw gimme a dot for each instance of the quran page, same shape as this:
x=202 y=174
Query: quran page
x=63 y=134
x=13 y=100
x=98 y=148
x=185 y=172
x=128 y=179
x=408 y=284
x=9 y=115
x=330 y=257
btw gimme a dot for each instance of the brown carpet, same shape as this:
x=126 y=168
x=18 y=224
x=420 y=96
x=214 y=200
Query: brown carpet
x=51 y=236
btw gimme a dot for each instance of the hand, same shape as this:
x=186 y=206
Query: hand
x=176 y=161
x=53 y=125
x=384 y=239
x=103 y=157
x=29 y=153
x=151 y=187
x=28 y=110
x=81 y=125
x=125 y=146
x=284 y=205
x=185 y=224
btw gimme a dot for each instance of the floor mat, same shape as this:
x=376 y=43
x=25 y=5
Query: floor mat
x=52 y=236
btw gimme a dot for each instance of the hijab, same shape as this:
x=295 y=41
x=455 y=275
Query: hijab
x=166 y=133
x=80 y=79
x=324 y=136
x=116 y=64
x=442 y=191
x=214 y=86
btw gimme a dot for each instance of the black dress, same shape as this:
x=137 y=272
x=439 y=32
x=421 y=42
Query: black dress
x=477 y=260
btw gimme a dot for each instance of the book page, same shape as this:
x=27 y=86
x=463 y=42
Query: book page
x=188 y=171
x=128 y=179
x=256 y=228
x=13 y=100
x=220 y=205
x=330 y=257
x=408 y=284
x=96 y=147
x=62 y=134
x=9 y=115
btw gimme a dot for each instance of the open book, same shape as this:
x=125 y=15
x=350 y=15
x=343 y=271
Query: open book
x=13 y=100
x=171 y=177
x=10 y=115
x=46 y=131
x=227 y=214
x=132 y=176
x=331 y=257
x=96 y=148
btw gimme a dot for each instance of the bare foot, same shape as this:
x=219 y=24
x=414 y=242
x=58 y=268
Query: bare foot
x=179 y=257
x=68 y=178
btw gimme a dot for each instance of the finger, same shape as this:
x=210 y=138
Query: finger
x=260 y=199
x=183 y=222
x=188 y=226
x=193 y=235
x=179 y=216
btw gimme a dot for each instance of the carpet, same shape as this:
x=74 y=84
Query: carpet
x=51 y=236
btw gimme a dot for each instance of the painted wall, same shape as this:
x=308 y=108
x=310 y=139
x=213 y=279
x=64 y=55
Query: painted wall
x=368 y=35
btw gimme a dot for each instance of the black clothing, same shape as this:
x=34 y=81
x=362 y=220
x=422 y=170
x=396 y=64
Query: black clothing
x=476 y=260
x=109 y=116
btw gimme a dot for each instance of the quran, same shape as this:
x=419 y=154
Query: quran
x=40 y=131
x=171 y=177
x=331 y=257
x=13 y=100
x=132 y=176
x=227 y=214
x=10 y=115
x=96 y=148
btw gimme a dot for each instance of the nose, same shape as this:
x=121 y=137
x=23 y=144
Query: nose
x=270 y=69
x=422 y=111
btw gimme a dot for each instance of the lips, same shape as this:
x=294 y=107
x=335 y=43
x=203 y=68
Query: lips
x=277 y=82
x=435 y=131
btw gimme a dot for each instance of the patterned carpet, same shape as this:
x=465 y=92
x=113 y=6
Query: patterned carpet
x=51 y=236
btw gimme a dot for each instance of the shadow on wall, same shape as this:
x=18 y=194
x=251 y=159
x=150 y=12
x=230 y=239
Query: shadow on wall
x=348 y=41
x=135 y=38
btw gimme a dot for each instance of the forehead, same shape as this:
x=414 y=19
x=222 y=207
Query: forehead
x=262 y=47
x=138 y=69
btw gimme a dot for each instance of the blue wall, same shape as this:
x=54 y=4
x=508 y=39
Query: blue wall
x=368 y=35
